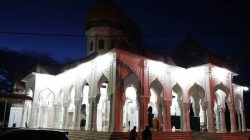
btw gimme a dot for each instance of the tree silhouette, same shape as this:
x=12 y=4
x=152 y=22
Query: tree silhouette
x=15 y=65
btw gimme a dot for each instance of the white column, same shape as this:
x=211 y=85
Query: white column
x=45 y=115
x=32 y=121
x=65 y=114
x=24 y=110
x=217 y=116
x=204 y=108
x=222 y=120
x=38 y=116
x=239 y=118
x=90 y=118
x=56 y=116
x=78 y=104
x=243 y=120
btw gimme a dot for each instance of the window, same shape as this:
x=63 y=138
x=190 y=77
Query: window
x=91 y=46
x=101 y=44
x=113 y=44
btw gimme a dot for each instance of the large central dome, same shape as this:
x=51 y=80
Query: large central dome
x=104 y=12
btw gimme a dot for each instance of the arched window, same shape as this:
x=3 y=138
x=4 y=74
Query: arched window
x=101 y=44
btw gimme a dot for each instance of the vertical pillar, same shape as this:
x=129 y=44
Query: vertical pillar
x=144 y=112
x=94 y=114
x=186 y=120
x=65 y=114
x=243 y=121
x=160 y=118
x=56 y=116
x=167 y=120
x=38 y=116
x=60 y=116
x=45 y=117
x=204 y=108
x=118 y=114
x=146 y=92
x=217 y=116
x=232 y=118
x=90 y=118
x=78 y=104
x=222 y=120
x=32 y=121
x=24 y=111
x=110 y=111
x=239 y=120
x=209 y=85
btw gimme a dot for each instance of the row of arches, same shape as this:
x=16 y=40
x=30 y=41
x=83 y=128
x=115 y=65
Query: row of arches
x=65 y=111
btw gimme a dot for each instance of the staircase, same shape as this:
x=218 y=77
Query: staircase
x=88 y=135
x=221 y=136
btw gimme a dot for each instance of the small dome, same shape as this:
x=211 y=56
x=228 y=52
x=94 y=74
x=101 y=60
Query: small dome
x=190 y=47
x=103 y=12
x=190 y=53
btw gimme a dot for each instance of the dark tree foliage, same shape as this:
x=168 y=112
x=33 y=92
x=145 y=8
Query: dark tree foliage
x=15 y=65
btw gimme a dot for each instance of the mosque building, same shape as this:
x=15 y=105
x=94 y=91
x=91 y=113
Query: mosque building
x=119 y=85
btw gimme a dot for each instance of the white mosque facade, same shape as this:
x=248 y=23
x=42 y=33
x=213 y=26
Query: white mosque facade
x=112 y=91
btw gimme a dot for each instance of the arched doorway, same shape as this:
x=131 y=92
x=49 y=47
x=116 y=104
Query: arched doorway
x=175 y=110
x=45 y=112
x=103 y=106
x=156 y=93
x=71 y=110
x=84 y=115
x=222 y=115
x=130 y=109
x=130 y=103
x=197 y=115
x=238 y=108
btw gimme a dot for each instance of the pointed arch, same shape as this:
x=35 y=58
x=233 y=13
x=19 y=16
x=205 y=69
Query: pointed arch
x=178 y=90
x=46 y=97
x=103 y=104
x=156 y=103
x=132 y=80
x=222 y=87
x=196 y=91
x=83 y=85
x=130 y=102
x=157 y=87
x=103 y=79
x=221 y=93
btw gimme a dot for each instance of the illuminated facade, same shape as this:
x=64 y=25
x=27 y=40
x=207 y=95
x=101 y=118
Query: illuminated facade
x=113 y=90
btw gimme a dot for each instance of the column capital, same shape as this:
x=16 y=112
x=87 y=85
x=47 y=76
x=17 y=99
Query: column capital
x=78 y=102
x=167 y=102
x=185 y=105
x=204 y=104
x=221 y=109
x=66 y=104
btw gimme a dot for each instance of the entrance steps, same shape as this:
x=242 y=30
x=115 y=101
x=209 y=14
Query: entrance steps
x=221 y=136
x=89 y=135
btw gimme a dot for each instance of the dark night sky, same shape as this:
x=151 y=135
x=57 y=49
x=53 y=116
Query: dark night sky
x=220 y=26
